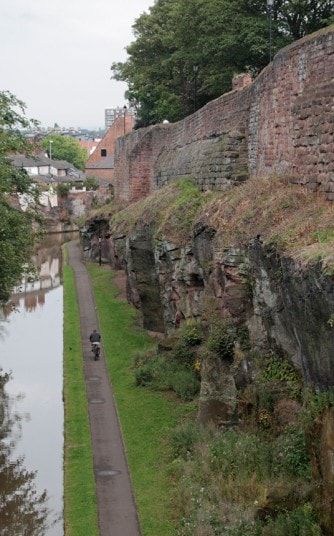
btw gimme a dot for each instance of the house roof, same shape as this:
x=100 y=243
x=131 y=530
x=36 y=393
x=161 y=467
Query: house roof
x=106 y=162
x=61 y=164
x=21 y=160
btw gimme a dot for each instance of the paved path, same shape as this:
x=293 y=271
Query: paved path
x=116 y=505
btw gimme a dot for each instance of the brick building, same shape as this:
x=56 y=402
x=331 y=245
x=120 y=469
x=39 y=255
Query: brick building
x=100 y=164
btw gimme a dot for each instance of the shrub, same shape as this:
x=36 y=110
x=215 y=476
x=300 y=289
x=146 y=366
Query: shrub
x=280 y=370
x=63 y=189
x=91 y=183
x=184 y=383
x=300 y=521
x=163 y=373
x=316 y=403
x=221 y=339
x=144 y=375
x=240 y=455
x=184 y=438
x=183 y=354
x=290 y=454
x=148 y=370
x=191 y=333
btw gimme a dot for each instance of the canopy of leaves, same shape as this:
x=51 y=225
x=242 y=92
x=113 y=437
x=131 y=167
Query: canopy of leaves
x=16 y=237
x=66 y=148
x=186 y=51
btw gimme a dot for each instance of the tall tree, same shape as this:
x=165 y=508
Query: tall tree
x=66 y=148
x=16 y=236
x=185 y=52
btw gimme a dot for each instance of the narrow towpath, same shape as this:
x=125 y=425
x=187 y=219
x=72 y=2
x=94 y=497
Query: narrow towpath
x=115 y=501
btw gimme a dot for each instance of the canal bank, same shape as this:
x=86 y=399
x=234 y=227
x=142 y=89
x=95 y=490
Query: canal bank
x=147 y=418
x=80 y=511
x=117 y=513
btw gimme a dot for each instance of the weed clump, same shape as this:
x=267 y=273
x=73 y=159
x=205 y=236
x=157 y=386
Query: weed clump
x=222 y=337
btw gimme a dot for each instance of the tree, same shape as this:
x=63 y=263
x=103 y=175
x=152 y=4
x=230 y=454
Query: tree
x=185 y=45
x=301 y=17
x=91 y=183
x=66 y=148
x=16 y=235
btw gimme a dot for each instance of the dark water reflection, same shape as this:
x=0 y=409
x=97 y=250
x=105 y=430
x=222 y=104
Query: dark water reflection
x=31 y=348
x=23 y=511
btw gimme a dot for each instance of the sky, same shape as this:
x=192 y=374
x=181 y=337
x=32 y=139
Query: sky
x=56 y=56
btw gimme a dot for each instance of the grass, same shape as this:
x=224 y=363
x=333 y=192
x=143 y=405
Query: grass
x=146 y=417
x=79 y=485
x=222 y=478
x=171 y=210
x=288 y=216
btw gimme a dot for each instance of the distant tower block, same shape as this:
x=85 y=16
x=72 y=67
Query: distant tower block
x=111 y=114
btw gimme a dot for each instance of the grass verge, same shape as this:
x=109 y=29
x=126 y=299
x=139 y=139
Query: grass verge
x=80 y=509
x=146 y=417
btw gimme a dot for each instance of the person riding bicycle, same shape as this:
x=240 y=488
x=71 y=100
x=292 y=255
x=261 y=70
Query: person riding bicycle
x=95 y=337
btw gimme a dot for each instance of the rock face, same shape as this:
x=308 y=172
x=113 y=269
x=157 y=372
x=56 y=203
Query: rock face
x=284 y=305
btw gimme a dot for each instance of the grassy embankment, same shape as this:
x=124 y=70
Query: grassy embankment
x=79 y=485
x=146 y=417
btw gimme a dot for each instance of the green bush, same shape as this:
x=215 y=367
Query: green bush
x=91 y=183
x=241 y=455
x=290 y=454
x=161 y=372
x=280 y=370
x=184 y=438
x=316 y=403
x=183 y=354
x=144 y=375
x=299 y=522
x=191 y=333
x=222 y=337
x=63 y=189
x=184 y=383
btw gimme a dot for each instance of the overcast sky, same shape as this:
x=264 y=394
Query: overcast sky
x=56 y=55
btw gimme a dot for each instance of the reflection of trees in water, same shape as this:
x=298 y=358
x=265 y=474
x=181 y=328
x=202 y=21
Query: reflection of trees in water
x=23 y=511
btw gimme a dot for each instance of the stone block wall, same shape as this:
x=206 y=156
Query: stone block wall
x=282 y=123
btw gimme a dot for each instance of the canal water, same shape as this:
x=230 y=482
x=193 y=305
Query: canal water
x=31 y=406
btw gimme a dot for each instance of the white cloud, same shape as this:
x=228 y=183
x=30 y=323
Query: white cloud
x=56 y=55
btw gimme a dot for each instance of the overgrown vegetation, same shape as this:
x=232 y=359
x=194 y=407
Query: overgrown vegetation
x=238 y=482
x=185 y=52
x=253 y=479
x=287 y=216
x=171 y=210
x=91 y=183
x=63 y=189
x=80 y=510
x=174 y=366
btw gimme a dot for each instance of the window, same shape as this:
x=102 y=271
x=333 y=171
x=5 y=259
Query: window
x=103 y=152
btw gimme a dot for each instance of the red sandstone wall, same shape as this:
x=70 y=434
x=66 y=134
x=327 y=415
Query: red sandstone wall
x=102 y=175
x=118 y=129
x=282 y=123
